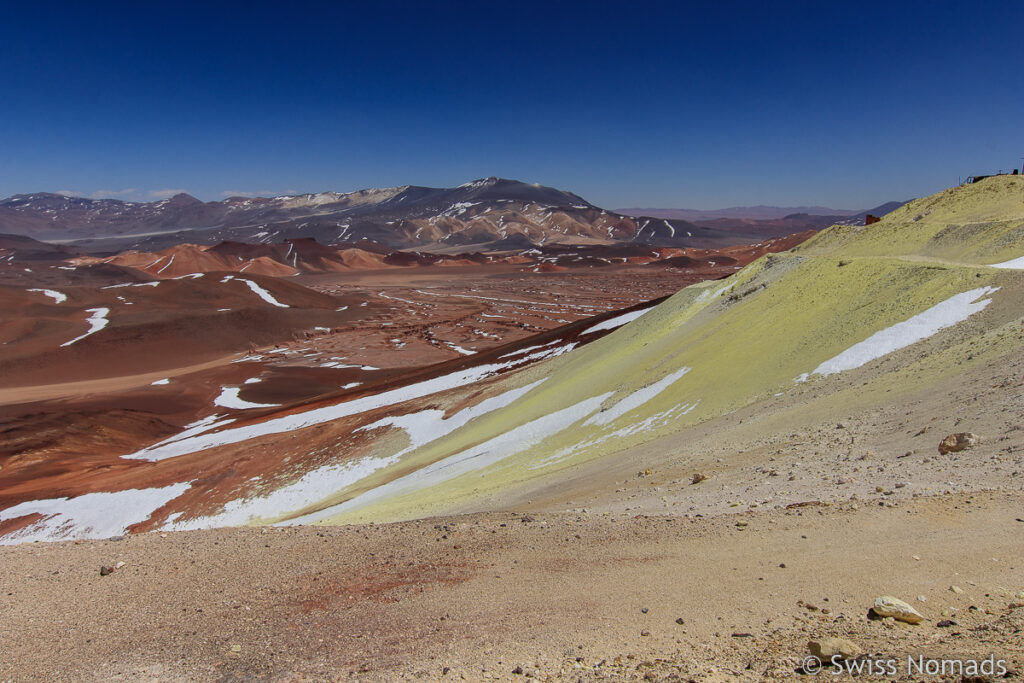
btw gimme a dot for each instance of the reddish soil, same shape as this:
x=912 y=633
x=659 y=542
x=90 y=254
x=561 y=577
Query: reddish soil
x=69 y=412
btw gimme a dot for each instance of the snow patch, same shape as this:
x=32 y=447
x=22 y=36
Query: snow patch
x=921 y=326
x=636 y=399
x=1014 y=264
x=93 y=515
x=617 y=321
x=229 y=399
x=261 y=293
x=97 y=321
x=58 y=297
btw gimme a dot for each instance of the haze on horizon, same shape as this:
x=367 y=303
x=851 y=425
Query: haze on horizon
x=664 y=105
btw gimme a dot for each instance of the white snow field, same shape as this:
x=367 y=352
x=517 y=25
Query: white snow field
x=92 y=515
x=97 y=321
x=953 y=310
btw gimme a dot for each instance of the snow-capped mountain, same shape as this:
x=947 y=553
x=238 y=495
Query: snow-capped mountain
x=476 y=213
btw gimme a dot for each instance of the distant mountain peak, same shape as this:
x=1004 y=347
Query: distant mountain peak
x=182 y=199
x=481 y=182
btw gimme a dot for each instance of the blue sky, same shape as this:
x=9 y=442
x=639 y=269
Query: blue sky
x=655 y=104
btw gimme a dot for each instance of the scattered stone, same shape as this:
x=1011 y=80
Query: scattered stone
x=946 y=623
x=518 y=671
x=957 y=589
x=645 y=633
x=119 y=565
x=742 y=634
x=888 y=606
x=954 y=443
x=782 y=565
x=106 y=570
x=643 y=610
x=827 y=648
x=680 y=621
x=236 y=648
x=698 y=478
x=921 y=598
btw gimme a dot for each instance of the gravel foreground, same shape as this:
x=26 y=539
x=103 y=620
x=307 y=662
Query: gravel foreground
x=560 y=597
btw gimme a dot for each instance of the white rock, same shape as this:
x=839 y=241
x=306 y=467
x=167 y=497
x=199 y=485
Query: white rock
x=827 y=648
x=888 y=606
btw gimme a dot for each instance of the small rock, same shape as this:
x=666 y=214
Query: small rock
x=119 y=565
x=698 y=478
x=827 y=648
x=236 y=648
x=956 y=589
x=643 y=610
x=954 y=443
x=921 y=598
x=680 y=621
x=888 y=606
x=518 y=671
x=645 y=633
x=946 y=623
x=106 y=570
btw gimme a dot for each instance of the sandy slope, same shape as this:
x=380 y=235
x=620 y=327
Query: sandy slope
x=561 y=595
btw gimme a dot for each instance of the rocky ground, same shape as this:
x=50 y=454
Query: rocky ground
x=506 y=596
x=432 y=315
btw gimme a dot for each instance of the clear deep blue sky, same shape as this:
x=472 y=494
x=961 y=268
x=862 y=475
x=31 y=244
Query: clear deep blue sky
x=655 y=104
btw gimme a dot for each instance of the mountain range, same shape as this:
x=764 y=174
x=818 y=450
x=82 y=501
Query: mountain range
x=486 y=214
x=762 y=212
